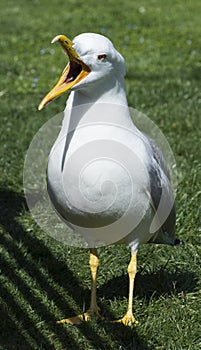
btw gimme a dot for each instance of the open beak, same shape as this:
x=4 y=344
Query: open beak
x=73 y=73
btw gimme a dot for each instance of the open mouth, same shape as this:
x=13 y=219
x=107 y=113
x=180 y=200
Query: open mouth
x=72 y=74
x=74 y=71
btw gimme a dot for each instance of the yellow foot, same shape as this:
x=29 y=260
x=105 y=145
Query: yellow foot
x=85 y=317
x=128 y=320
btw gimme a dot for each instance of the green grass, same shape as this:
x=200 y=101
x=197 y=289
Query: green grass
x=42 y=280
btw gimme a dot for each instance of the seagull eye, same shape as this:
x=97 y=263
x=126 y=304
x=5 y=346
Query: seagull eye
x=102 y=57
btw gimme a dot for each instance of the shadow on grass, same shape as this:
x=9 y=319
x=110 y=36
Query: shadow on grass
x=19 y=323
x=151 y=286
x=16 y=317
x=26 y=321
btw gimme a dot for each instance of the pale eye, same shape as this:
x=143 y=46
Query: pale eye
x=102 y=57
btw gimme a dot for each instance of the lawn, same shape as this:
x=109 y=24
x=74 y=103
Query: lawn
x=42 y=280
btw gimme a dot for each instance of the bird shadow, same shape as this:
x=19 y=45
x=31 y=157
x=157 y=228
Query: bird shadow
x=16 y=319
x=151 y=285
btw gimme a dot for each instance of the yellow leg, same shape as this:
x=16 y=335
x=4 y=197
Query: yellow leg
x=93 y=308
x=93 y=262
x=129 y=318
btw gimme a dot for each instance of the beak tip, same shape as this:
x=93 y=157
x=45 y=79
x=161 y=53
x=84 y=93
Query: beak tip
x=54 y=40
x=40 y=106
x=58 y=38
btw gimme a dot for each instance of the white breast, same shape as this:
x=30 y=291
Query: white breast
x=98 y=178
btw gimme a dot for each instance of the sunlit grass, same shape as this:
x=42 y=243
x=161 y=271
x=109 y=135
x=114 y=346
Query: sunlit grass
x=43 y=280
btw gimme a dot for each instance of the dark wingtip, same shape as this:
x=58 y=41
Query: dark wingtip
x=178 y=242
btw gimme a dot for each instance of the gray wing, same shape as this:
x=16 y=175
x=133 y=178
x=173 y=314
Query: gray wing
x=160 y=184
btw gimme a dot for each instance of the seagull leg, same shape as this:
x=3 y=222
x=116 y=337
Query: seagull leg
x=129 y=318
x=93 y=308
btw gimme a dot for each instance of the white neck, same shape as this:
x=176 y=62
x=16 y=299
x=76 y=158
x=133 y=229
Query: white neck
x=111 y=95
x=95 y=105
x=112 y=92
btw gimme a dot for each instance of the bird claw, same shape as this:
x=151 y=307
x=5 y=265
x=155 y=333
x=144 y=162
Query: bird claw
x=76 y=320
x=128 y=320
x=85 y=317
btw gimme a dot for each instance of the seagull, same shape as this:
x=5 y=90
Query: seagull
x=128 y=200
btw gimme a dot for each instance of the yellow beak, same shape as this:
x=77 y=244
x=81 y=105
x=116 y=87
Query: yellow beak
x=73 y=73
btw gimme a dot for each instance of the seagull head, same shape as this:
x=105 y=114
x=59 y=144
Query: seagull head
x=92 y=60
